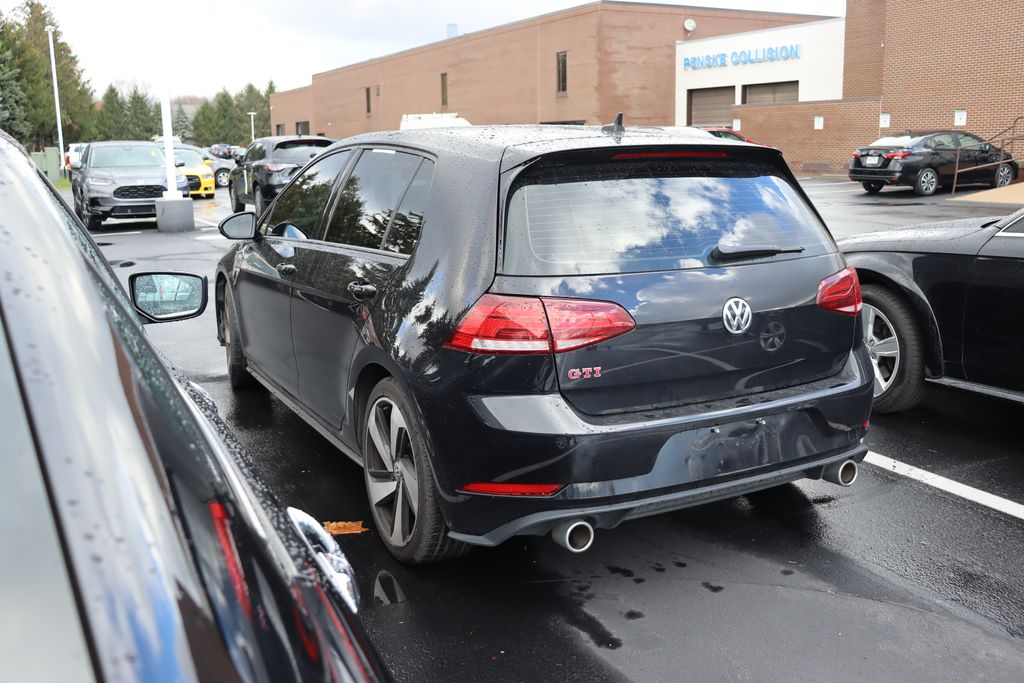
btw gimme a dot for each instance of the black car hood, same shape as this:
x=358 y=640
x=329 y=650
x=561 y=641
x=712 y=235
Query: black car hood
x=964 y=236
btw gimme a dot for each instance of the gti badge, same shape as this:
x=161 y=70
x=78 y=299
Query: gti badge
x=736 y=315
x=586 y=373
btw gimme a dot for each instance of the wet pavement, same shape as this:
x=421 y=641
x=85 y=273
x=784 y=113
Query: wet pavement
x=890 y=579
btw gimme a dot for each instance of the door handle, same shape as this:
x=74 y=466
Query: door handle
x=361 y=289
x=287 y=268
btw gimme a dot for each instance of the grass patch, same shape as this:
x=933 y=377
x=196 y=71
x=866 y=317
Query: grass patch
x=63 y=184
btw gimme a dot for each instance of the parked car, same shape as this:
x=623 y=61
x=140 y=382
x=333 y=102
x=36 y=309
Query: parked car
x=138 y=543
x=73 y=156
x=197 y=173
x=267 y=165
x=542 y=329
x=943 y=303
x=221 y=150
x=120 y=180
x=726 y=133
x=927 y=161
x=221 y=167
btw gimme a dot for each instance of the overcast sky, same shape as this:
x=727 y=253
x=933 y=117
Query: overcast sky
x=231 y=42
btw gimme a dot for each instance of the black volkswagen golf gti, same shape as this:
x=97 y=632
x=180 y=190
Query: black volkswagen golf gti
x=531 y=330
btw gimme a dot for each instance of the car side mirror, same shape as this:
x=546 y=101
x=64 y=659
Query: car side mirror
x=237 y=158
x=240 y=226
x=208 y=162
x=165 y=297
x=178 y=164
x=76 y=165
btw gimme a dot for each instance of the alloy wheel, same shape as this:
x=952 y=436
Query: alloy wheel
x=391 y=479
x=1003 y=176
x=929 y=181
x=221 y=178
x=883 y=347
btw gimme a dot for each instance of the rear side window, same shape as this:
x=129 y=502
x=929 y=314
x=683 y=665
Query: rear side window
x=365 y=207
x=404 y=233
x=299 y=151
x=646 y=215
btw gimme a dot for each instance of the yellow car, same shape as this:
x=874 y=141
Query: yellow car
x=198 y=174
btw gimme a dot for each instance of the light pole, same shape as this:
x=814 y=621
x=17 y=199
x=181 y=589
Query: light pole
x=56 y=101
x=252 y=124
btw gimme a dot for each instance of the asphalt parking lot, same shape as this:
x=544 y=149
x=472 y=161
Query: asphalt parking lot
x=891 y=579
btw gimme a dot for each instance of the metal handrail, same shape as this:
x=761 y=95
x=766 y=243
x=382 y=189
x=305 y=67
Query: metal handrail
x=1003 y=155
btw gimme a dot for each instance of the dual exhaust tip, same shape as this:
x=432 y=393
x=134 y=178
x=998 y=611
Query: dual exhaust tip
x=577 y=535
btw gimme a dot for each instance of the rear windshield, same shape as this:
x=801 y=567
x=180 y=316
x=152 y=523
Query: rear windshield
x=899 y=141
x=636 y=216
x=299 y=151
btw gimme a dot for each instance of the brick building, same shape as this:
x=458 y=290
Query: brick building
x=910 y=65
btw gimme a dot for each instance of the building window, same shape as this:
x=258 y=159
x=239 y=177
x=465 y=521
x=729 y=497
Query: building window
x=301 y=128
x=368 y=110
x=444 y=89
x=560 y=65
x=279 y=129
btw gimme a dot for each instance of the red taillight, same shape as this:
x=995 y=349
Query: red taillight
x=276 y=168
x=840 y=293
x=221 y=523
x=500 y=324
x=856 y=155
x=897 y=155
x=513 y=489
x=670 y=155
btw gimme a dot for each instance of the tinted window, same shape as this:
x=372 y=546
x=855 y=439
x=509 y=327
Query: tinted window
x=974 y=142
x=299 y=151
x=941 y=141
x=639 y=216
x=365 y=207
x=404 y=233
x=296 y=211
x=133 y=156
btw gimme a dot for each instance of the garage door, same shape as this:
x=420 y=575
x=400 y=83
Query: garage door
x=771 y=93
x=711 y=106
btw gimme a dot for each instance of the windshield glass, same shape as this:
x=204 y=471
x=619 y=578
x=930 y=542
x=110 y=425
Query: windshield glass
x=189 y=157
x=299 y=151
x=135 y=156
x=639 y=216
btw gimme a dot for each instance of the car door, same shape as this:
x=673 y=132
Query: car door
x=973 y=153
x=994 y=316
x=373 y=226
x=243 y=180
x=266 y=268
x=943 y=152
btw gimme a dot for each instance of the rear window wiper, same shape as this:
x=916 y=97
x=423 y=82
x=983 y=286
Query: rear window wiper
x=735 y=252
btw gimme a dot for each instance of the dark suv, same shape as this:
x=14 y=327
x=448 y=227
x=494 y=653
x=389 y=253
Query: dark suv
x=267 y=165
x=524 y=330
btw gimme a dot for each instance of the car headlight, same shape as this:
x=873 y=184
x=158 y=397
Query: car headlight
x=179 y=179
x=99 y=182
x=207 y=176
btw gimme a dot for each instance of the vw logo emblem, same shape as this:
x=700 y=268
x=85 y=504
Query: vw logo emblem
x=736 y=315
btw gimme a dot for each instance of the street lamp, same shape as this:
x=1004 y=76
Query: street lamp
x=252 y=124
x=56 y=101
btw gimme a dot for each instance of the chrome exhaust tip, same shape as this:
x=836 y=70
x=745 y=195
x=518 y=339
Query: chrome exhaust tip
x=843 y=473
x=576 y=535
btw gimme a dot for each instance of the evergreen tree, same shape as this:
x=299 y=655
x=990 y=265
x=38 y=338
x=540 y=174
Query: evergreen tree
x=25 y=37
x=203 y=125
x=111 y=116
x=182 y=124
x=142 y=121
x=13 y=118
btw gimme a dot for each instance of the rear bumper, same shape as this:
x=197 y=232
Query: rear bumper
x=882 y=175
x=622 y=467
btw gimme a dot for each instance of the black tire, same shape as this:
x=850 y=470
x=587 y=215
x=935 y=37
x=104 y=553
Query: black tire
x=927 y=182
x=259 y=201
x=429 y=540
x=238 y=376
x=222 y=177
x=907 y=389
x=872 y=187
x=1003 y=176
x=236 y=205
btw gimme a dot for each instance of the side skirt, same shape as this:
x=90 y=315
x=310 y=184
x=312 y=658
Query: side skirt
x=1005 y=394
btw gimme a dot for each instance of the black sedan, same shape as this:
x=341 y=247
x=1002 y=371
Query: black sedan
x=943 y=302
x=927 y=161
x=137 y=544
x=267 y=165
x=531 y=330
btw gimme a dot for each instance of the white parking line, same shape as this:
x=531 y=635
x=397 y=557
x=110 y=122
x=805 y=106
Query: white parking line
x=218 y=236
x=970 y=493
x=813 y=193
x=205 y=222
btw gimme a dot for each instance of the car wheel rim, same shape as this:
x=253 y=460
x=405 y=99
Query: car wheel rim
x=392 y=484
x=1004 y=177
x=883 y=347
x=222 y=179
x=928 y=181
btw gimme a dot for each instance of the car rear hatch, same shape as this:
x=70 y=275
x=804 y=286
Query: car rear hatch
x=714 y=254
